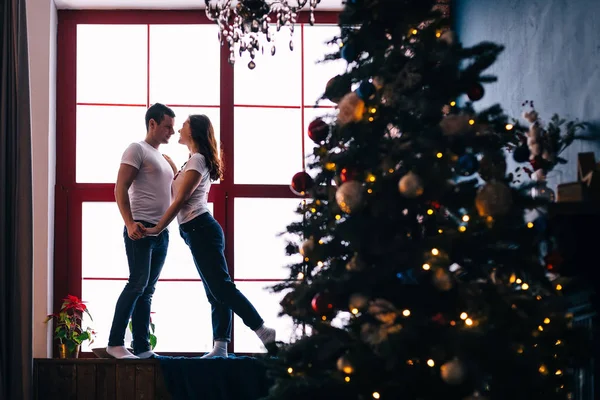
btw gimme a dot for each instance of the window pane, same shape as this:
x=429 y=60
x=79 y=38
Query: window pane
x=316 y=75
x=267 y=305
x=276 y=80
x=176 y=306
x=103 y=134
x=111 y=64
x=179 y=152
x=103 y=250
x=184 y=64
x=267 y=145
x=259 y=251
x=310 y=114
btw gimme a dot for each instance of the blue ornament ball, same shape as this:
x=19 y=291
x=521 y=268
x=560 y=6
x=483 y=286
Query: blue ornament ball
x=348 y=52
x=365 y=90
x=467 y=165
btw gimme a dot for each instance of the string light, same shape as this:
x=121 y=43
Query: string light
x=524 y=286
x=559 y=287
x=354 y=311
x=464 y=316
x=452 y=103
x=462 y=228
x=290 y=370
x=439 y=155
x=376 y=395
x=530 y=225
x=469 y=322
x=406 y=313
x=347 y=379
x=466 y=218
x=435 y=252
x=509 y=127
x=430 y=212
x=431 y=363
x=471 y=122
x=426 y=267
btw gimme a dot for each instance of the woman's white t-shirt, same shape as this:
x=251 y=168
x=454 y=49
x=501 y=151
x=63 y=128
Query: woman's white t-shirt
x=197 y=204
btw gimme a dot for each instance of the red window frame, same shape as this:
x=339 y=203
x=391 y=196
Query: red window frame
x=70 y=194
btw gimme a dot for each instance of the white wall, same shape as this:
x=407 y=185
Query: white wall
x=42 y=36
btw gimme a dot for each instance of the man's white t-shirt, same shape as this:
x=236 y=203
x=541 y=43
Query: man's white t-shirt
x=197 y=204
x=150 y=192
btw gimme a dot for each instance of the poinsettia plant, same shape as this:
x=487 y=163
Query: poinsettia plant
x=68 y=329
x=152 y=330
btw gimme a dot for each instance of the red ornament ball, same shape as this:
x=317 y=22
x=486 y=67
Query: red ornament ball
x=475 y=92
x=301 y=183
x=318 y=130
x=348 y=174
x=322 y=303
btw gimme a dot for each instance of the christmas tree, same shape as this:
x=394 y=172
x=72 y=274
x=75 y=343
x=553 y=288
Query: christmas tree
x=421 y=277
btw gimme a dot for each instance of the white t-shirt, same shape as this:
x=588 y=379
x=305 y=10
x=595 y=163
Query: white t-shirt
x=150 y=191
x=198 y=202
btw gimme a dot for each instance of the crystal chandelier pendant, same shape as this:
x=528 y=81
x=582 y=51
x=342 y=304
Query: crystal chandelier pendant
x=246 y=25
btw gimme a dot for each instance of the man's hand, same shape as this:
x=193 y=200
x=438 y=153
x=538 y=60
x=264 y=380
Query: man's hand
x=136 y=231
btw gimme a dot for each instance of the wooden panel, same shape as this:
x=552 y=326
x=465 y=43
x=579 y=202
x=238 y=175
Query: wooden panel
x=86 y=381
x=106 y=381
x=144 y=382
x=125 y=381
x=57 y=381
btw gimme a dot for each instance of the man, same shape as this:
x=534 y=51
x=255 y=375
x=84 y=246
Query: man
x=143 y=194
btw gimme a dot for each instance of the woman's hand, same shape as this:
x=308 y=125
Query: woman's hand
x=154 y=231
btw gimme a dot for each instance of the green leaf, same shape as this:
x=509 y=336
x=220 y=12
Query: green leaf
x=152 y=341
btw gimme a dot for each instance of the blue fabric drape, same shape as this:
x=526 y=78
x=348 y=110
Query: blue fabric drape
x=232 y=378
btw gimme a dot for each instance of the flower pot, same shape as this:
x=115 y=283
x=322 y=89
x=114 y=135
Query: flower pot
x=63 y=352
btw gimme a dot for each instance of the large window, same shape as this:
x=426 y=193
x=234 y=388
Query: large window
x=112 y=66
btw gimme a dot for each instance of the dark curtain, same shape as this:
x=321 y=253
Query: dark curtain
x=16 y=253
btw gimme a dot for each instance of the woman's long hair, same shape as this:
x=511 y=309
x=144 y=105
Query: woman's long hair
x=203 y=135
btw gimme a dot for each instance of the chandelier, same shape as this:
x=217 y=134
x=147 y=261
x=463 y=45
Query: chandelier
x=246 y=27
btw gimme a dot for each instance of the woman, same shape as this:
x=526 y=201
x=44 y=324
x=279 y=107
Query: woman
x=204 y=236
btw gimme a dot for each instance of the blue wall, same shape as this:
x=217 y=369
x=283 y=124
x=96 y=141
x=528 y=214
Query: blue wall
x=551 y=56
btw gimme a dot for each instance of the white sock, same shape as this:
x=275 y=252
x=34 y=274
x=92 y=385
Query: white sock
x=147 y=354
x=266 y=335
x=219 y=350
x=120 y=352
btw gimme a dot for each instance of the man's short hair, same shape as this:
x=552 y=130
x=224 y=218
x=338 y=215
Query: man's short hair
x=157 y=112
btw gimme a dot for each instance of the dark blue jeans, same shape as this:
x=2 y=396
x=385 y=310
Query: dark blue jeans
x=146 y=258
x=205 y=238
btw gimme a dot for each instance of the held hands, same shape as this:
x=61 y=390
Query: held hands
x=136 y=231
x=155 y=231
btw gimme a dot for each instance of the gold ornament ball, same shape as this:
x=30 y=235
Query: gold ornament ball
x=476 y=396
x=344 y=365
x=453 y=372
x=494 y=199
x=442 y=280
x=410 y=185
x=356 y=263
x=308 y=247
x=358 y=301
x=350 y=196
